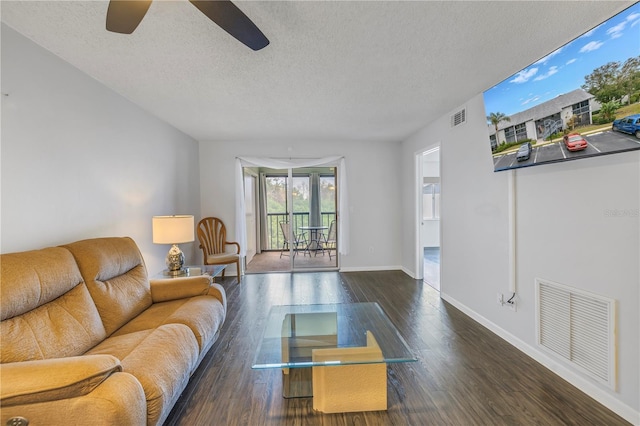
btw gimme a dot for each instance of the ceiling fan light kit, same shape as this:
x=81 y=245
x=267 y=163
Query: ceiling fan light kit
x=124 y=16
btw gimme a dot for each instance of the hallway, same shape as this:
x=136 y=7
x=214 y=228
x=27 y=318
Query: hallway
x=432 y=267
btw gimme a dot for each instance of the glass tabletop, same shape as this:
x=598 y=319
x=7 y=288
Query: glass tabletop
x=192 y=271
x=338 y=334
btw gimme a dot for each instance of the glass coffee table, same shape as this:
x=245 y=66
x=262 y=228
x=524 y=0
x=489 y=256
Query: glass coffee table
x=337 y=353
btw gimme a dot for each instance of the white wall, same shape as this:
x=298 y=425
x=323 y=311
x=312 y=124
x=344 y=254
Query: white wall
x=372 y=185
x=566 y=232
x=79 y=161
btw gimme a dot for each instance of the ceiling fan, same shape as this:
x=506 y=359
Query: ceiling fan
x=123 y=16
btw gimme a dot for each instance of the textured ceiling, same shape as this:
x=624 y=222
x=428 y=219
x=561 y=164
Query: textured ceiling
x=334 y=70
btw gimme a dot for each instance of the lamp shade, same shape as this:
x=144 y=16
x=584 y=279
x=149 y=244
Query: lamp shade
x=173 y=229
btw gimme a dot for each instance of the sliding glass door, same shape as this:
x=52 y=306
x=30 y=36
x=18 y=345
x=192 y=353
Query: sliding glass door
x=298 y=220
x=314 y=219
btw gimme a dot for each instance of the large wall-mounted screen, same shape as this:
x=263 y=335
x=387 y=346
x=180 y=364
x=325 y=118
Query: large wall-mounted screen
x=580 y=100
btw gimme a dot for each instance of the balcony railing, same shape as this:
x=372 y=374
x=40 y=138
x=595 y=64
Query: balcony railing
x=275 y=239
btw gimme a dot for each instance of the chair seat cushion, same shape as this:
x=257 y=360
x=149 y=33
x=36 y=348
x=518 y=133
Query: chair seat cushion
x=222 y=258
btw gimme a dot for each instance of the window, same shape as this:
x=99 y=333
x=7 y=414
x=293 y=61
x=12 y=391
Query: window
x=494 y=144
x=509 y=134
x=581 y=113
x=278 y=206
x=327 y=199
x=276 y=197
x=277 y=194
x=300 y=193
x=581 y=108
x=276 y=187
x=521 y=132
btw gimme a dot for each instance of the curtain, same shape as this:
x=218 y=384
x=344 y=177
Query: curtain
x=263 y=211
x=314 y=208
x=276 y=163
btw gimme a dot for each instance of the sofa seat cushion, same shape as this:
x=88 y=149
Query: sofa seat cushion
x=204 y=315
x=162 y=360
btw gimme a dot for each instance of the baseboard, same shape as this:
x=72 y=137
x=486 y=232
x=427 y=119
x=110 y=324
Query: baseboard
x=567 y=374
x=410 y=273
x=369 y=268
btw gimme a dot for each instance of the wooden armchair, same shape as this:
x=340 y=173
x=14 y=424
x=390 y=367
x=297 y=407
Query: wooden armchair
x=212 y=235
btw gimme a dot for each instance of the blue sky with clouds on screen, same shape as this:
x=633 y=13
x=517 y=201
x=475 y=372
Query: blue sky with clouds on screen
x=564 y=69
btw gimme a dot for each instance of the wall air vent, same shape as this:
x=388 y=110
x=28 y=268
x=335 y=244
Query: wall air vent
x=579 y=327
x=459 y=118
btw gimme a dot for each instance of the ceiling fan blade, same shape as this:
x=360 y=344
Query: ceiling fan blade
x=232 y=20
x=123 y=16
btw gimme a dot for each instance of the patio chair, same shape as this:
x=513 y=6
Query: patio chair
x=329 y=240
x=298 y=240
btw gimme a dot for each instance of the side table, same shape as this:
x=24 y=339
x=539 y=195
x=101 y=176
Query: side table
x=193 y=271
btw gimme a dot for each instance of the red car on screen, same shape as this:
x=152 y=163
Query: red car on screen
x=575 y=142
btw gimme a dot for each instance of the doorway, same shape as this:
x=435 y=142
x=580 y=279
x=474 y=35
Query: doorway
x=297 y=221
x=429 y=228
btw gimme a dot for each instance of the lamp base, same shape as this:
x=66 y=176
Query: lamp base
x=174 y=261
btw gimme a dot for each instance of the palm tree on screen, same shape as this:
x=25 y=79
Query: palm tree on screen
x=495 y=118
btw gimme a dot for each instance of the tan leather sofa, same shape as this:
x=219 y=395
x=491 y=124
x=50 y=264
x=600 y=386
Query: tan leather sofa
x=86 y=338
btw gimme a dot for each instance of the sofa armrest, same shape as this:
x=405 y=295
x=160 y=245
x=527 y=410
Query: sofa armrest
x=217 y=291
x=165 y=289
x=45 y=380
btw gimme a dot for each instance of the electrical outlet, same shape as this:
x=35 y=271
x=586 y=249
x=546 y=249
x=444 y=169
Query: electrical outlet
x=500 y=299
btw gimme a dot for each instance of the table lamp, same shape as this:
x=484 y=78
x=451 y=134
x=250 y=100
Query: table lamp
x=173 y=230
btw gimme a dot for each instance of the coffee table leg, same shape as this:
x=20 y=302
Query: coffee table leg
x=350 y=387
x=296 y=383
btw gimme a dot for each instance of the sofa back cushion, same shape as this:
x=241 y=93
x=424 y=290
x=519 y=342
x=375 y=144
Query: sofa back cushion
x=116 y=276
x=46 y=309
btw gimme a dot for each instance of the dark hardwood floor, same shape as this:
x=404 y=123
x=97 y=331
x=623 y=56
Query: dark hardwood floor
x=465 y=375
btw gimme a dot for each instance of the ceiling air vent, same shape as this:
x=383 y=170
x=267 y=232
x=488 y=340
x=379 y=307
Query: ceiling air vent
x=459 y=118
